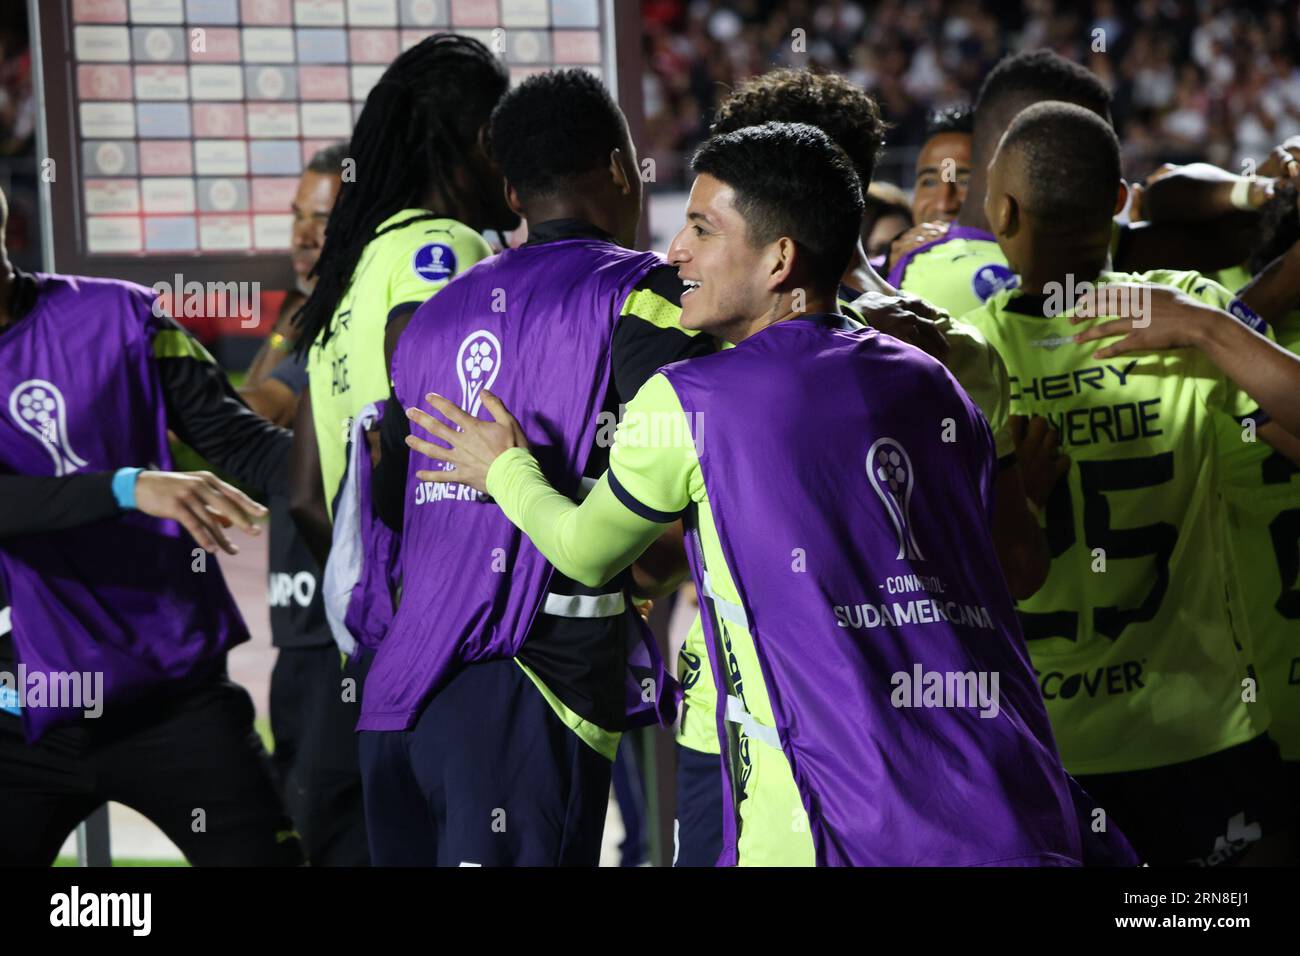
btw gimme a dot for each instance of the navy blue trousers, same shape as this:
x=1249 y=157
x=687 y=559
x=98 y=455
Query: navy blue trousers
x=487 y=776
x=699 y=808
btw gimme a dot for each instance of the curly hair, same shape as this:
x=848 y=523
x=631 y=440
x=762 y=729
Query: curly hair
x=845 y=113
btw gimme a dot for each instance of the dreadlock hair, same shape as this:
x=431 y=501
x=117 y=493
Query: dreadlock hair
x=419 y=125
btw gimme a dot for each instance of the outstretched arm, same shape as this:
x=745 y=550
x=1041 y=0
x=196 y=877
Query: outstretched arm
x=590 y=542
x=1261 y=368
x=202 y=503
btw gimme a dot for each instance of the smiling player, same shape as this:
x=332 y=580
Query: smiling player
x=827 y=761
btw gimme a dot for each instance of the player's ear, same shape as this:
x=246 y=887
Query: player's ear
x=481 y=141
x=781 y=261
x=512 y=200
x=1003 y=212
x=618 y=172
x=1121 y=198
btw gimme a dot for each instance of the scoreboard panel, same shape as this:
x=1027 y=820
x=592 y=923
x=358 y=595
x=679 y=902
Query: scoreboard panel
x=175 y=130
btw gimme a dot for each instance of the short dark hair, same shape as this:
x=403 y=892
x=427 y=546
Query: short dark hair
x=1022 y=79
x=791 y=180
x=845 y=113
x=552 y=127
x=1069 y=162
x=328 y=160
x=950 y=119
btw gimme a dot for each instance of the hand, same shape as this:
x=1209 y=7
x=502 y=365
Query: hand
x=475 y=443
x=1170 y=319
x=201 y=502
x=1038 y=452
x=918 y=235
x=1283 y=161
x=644 y=608
x=906 y=317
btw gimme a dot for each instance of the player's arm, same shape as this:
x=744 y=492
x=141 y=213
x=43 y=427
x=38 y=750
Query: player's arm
x=906 y=317
x=1275 y=291
x=388 y=483
x=275 y=398
x=202 y=503
x=207 y=414
x=1020 y=543
x=590 y=542
x=306 y=486
x=1203 y=246
x=276 y=346
x=1261 y=368
x=1199 y=192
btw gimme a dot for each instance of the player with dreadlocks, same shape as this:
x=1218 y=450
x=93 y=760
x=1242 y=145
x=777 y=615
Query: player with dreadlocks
x=406 y=221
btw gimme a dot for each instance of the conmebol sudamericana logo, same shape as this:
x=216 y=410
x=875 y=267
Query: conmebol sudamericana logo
x=38 y=408
x=477 y=363
x=890 y=471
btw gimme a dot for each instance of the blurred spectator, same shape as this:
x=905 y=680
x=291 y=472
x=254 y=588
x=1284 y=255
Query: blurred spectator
x=17 y=104
x=887 y=214
x=1192 y=79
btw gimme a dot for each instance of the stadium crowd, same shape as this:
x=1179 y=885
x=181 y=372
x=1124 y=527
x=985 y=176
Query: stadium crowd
x=1189 y=79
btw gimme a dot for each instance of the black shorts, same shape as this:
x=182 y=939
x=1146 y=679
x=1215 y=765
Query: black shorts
x=313 y=719
x=1204 y=812
x=192 y=763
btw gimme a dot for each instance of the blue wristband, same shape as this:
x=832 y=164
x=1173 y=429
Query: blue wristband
x=124 y=487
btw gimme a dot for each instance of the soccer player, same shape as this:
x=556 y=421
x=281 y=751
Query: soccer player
x=1261 y=486
x=1137 y=637
x=407 y=222
x=963 y=267
x=496 y=699
x=943 y=166
x=842 y=548
x=851 y=118
x=110 y=595
x=312 y=719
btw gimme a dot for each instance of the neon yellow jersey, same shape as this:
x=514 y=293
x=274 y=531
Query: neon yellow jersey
x=1137 y=636
x=958 y=272
x=1262 y=488
x=773 y=823
x=410 y=258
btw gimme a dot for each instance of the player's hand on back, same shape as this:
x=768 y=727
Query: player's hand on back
x=1163 y=318
x=1038 y=452
x=202 y=503
x=475 y=443
x=906 y=317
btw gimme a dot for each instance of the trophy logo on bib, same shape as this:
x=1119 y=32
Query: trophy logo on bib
x=477 y=363
x=38 y=408
x=890 y=471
